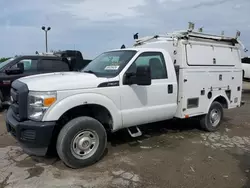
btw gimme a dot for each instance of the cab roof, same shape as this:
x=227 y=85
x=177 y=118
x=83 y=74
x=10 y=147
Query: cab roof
x=38 y=56
x=137 y=49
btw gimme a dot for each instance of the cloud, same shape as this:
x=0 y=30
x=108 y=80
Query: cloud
x=93 y=26
x=106 y=11
x=211 y=3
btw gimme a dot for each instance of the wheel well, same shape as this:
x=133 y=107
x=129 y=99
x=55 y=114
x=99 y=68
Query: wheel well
x=222 y=101
x=98 y=112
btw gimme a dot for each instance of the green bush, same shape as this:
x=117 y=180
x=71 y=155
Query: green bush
x=3 y=59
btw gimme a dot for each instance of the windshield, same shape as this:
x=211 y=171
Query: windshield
x=5 y=62
x=109 y=64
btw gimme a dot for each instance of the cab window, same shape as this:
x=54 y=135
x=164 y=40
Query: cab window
x=52 y=65
x=30 y=65
x=156 y=62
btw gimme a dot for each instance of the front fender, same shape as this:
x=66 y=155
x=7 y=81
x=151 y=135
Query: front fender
x=62 y=106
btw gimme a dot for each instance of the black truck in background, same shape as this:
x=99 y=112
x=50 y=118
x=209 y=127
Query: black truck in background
x=26 y=65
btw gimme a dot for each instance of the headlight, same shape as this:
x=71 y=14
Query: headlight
x=39 y=102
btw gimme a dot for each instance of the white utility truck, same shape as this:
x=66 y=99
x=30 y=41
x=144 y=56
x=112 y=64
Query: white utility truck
x=179 y=75
x=246 y=67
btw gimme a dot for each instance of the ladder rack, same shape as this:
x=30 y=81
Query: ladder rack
x=187 y=34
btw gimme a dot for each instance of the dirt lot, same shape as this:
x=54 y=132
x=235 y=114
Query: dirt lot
x=172 y=154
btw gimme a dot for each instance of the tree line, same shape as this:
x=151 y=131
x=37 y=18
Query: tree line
x=3 y=59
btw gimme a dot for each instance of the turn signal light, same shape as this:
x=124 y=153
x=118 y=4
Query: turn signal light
x=49 y=101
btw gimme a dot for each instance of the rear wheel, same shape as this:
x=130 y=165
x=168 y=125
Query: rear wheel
x=81 y=142
x=212 y=120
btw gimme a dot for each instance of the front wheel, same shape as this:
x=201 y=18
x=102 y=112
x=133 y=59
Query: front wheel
x=81 y=142
x=212 y=120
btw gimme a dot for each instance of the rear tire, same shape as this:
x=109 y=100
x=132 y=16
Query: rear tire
x=212 y=120
x=81 y=142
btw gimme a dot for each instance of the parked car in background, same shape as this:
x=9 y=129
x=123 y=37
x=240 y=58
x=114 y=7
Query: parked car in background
x=246 y=67
x=26 y=65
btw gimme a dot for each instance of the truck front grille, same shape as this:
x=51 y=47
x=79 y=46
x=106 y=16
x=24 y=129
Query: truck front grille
x=19 y=95
x=14 y=105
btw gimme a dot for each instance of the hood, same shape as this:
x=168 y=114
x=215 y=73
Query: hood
x=62 y=81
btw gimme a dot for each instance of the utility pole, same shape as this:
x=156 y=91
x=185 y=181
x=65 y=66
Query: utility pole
x=46 y=36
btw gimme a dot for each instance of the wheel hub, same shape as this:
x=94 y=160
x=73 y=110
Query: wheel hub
x=84 y=144
x=215 y=117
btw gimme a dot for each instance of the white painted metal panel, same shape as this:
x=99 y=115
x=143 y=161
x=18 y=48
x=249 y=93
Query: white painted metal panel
x=210 y=55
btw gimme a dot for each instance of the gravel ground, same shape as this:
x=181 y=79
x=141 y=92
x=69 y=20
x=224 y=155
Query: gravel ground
x=171 y=154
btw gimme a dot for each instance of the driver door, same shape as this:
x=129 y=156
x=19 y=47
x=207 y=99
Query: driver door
x=145 y=104
x=29 y=69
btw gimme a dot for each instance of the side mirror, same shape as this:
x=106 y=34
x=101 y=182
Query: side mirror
x=143 y=75
x=15 y=70
x=21 y=67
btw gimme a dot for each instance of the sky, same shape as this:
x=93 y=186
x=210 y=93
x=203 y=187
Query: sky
x=94 y=26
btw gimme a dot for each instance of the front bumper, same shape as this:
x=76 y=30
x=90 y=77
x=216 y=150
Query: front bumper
x=34 y=137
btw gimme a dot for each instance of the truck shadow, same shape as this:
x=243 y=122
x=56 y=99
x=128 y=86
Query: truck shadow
x=122 y=137
x=177 y=127
x=153 y=130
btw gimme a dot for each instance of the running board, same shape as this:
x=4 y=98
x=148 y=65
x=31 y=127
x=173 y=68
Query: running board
x=135 y=134
x=7 y=103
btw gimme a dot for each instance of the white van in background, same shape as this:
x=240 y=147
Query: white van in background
x=246 y=67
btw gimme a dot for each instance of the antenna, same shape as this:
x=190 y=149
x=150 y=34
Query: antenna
x=123 y=46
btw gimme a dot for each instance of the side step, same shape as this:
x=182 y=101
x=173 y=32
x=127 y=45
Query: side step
x=6 y=103
x=134 y=131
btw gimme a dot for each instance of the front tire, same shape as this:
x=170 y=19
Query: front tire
x=212 y=120
x=81 y=142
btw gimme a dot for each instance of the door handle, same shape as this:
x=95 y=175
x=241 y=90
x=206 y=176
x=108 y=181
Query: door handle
x=170 y=88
